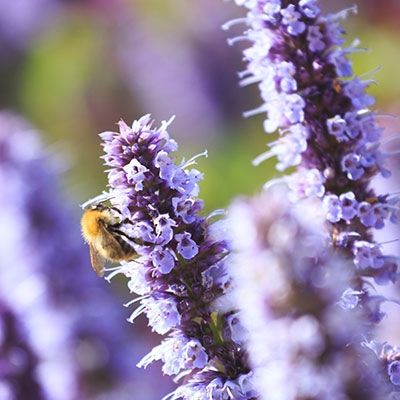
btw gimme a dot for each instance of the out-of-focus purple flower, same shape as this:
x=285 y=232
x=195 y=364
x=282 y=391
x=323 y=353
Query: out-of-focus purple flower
x=45 y=274
x=27 y=252
x=303 y=341
x=181 y=265
x=166 y=89
x=21 y=20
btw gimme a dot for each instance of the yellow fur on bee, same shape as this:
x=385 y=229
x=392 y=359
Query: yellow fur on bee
x=91 y=228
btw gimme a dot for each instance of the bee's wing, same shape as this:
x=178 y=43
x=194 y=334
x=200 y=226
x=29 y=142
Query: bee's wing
x=97 y=261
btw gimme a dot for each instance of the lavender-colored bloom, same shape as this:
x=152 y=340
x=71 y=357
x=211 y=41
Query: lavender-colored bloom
x=349 y=205
x=343 y=207
x=367 y=255
x=337 y=127
x=314 y=37
x=195 y=355
x=218 y=389
x=163 y=259
x=181 y=269
x=291 y=18
x=163 y=227
x=350 y=299
x=177 y=353
x=170 y=352
x=355 y=90
x=237 y=331
x=380 y=212
x=366 y=214
x=285 y=71
x=28 y=254
x=341 y=147
x=186 y=247
x=135 y=174
x=332 y=208
x=306 y=183
x=302 y=344
x=309 y=8
x=352 y=166
x=187 y=208
x=162 y=313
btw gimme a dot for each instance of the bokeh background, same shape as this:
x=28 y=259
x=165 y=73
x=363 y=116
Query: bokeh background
x=73 y=68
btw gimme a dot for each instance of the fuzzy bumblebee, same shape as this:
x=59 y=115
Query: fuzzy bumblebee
x=101 y=229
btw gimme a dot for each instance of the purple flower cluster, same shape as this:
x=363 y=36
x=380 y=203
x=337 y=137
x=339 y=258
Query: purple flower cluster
x=23 y=283
x=180 y=269
x=326 y=130
x=45 y=275
x=302 y=342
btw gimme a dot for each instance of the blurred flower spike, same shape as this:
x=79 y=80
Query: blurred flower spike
x=180 y=272
x=328 y=132
x=326 y=129
x=52 y=326
x=301 y=341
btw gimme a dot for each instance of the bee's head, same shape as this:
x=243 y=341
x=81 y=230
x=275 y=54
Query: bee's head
x=112 y=214
x=98 y=207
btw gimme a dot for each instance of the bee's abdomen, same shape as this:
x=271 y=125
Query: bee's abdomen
x=126 y=248
x=115 y=248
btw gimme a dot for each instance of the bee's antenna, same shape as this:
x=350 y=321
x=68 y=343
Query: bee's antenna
x=105 y=196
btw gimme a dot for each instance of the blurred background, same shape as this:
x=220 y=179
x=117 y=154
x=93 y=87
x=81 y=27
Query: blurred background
x=72 y=69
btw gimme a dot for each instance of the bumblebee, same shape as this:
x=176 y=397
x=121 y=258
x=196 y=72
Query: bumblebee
x=101 y=230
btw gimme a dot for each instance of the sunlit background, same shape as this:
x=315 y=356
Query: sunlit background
x=72 y=69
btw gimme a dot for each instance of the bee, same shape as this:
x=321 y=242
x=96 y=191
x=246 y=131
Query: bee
x=101 y=230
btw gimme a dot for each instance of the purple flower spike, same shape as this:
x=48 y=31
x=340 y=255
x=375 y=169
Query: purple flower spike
x=337 y=161
x=181 y=274
x=317 y=91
